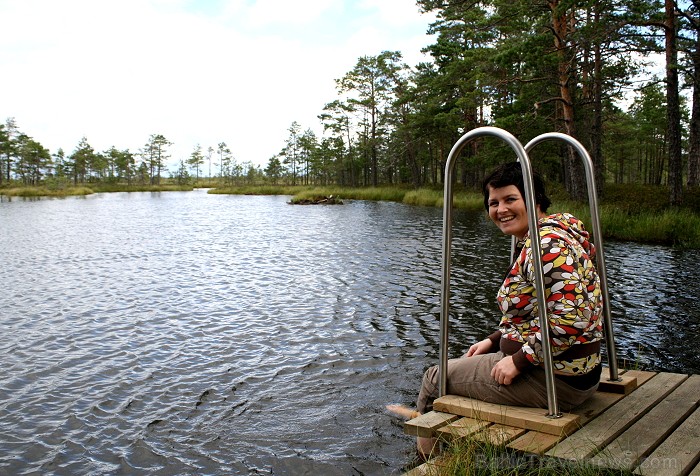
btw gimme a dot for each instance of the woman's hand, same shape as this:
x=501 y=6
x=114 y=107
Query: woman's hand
x=505 y=371
x=481 y=347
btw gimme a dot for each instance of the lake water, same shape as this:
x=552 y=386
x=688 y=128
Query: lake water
x=187 y=333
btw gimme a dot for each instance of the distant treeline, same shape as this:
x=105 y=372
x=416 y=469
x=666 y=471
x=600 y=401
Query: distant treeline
x=527 y=66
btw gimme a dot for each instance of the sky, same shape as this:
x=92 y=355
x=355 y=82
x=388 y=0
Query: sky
x=196 y=71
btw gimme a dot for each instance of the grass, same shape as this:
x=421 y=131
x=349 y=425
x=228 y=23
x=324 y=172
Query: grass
x=109 y=188
x=678 y=227
x=67 y=191
x=471 y=456
x=45 y=191
x=436 y=198
x=389 y=194
x=468 y=456
x=635 y=364
x=257 y=190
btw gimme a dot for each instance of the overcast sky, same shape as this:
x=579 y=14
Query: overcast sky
x=195 y=71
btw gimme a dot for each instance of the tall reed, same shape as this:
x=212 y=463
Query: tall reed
x=671 y=226
x=45 y=192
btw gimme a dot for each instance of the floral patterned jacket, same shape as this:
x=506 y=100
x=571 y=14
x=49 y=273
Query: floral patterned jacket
x=574 y=301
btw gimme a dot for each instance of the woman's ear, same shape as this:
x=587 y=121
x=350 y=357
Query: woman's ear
x=540 y=213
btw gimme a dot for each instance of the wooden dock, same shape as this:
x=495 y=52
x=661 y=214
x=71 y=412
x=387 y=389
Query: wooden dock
x=649 y=423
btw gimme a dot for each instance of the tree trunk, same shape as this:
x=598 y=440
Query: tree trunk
x=597 y=133
x=353 y=181
x=373 y=150
x=694 y=150
x=561 y=28
x=412 y=161
x=673 y=114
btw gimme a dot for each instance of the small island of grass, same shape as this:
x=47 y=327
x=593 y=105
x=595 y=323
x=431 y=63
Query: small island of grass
x=315 y=200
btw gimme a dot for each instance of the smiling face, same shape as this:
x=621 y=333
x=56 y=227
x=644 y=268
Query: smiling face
x=507 y=210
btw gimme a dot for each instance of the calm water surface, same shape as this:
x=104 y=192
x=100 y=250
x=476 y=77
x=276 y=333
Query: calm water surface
x=187 y=333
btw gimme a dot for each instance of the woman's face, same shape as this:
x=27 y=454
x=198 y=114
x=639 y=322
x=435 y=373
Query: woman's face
x=507 y=210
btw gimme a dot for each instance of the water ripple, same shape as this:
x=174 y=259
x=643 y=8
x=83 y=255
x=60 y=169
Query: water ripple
x=186 y=333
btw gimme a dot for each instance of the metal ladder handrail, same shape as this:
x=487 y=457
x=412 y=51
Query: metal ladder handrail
x=537 y=258
x=597 y=239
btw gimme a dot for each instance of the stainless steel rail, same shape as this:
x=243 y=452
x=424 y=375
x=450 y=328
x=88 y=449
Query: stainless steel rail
x=597 y=239
x=537 y=257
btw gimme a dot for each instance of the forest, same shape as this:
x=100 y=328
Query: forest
x=620 y=76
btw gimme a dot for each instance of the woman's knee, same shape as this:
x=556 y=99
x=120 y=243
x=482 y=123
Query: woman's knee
x=572 y=399
x=432 y=372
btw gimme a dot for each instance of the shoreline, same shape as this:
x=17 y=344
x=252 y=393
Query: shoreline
x=627 y=212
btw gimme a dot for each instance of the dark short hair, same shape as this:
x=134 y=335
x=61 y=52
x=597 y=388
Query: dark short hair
x=512 y=174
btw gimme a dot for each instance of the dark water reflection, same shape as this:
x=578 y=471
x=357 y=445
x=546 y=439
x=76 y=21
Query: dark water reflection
x=186 y=333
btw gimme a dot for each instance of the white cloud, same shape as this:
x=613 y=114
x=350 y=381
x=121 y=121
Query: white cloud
x=300 y=12
x=196 y=72
x=394 y=13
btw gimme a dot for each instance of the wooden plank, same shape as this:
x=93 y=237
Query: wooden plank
x=499 y=435
x=594 y=406
x=429 y=468
x=695 y=471
x=425 y=425
x=626 y=451
x=642 y=376
x=679 y=454
x=605 y=372
x=538 y=443
x=462 y=428
x=625 y=384
x=534 y=442
x=616 y=419
x=522 y=417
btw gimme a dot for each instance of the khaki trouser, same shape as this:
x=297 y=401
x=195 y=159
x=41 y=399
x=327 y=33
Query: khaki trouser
x=471 y=377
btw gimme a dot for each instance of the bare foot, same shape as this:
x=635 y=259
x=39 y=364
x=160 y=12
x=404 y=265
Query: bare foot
x=427 y=447
x=402 y=412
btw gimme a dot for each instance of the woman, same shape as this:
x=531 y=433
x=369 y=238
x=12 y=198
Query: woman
x=507 y=366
